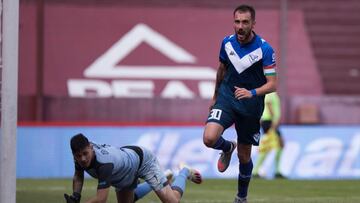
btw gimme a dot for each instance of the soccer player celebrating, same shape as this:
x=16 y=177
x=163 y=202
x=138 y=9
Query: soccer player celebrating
x=121 y=168
x=246 y=73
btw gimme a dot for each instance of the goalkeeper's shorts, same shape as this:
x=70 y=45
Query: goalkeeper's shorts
x=269 y=141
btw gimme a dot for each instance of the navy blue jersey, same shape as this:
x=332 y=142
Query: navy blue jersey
x=247 y=65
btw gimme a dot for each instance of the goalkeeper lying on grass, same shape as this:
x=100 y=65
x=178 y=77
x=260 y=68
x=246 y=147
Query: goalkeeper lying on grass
x=121 y=168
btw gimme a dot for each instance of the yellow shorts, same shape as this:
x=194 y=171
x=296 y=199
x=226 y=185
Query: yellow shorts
x=269 y=141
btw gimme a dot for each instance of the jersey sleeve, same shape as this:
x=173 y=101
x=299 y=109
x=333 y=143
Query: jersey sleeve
x=269 y=60
x=104 y=172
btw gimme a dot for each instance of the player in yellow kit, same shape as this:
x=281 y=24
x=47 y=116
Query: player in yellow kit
x=272 y=139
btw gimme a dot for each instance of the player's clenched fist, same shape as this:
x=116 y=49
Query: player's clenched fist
x=241 y=93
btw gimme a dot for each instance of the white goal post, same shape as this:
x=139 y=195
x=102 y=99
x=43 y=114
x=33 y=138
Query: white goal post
x=9 y=85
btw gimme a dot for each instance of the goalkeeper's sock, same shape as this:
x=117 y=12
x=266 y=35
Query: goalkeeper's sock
x=259 y=161
x=277 y=159
x=244 y=178
x=141 y=190
x=179 y=183
x=222 y=144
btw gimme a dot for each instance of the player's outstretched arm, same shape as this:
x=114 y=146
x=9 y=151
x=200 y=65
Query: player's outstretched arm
x=78 y=181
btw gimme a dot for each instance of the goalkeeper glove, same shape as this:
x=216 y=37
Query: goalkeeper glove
x=74 y=198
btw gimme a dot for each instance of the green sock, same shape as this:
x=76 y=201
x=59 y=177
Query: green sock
x=260 y=159
x=277 y=159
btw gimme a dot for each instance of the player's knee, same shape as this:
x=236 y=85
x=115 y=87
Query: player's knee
x=212 y=133
x=175 y=199
x=208 y=141
x=244 y=158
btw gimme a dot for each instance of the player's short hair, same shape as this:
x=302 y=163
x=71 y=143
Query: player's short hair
x=246 y=8
x=78 y=142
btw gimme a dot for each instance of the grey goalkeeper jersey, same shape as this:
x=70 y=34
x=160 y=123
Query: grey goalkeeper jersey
x=113 y=166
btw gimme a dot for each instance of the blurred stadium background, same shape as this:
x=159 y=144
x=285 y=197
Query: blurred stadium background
x=142 y=72
x=60 y=40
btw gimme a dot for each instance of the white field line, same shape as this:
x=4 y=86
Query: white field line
x=52 y=188
x=197 y=191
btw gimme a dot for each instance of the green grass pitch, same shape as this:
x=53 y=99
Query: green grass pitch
x=211 y=191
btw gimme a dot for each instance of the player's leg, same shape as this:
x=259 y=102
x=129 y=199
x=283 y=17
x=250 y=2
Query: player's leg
x=264 y=147
x=125 y=196
x=281 y=139
x=151 y=172
x=179 y=185
x=217 y=122
x=245 y=169
x=186 y=173
x=144 y=188
x=278 y=155
x=177 y=189
x=247 y=129
x=141 y=190
x=168 y=195
x=259 y=161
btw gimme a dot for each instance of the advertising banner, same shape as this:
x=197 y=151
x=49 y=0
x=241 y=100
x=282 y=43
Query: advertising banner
x=314 y=152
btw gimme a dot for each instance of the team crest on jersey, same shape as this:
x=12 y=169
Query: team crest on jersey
x=253 y=58
x=104 y=152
